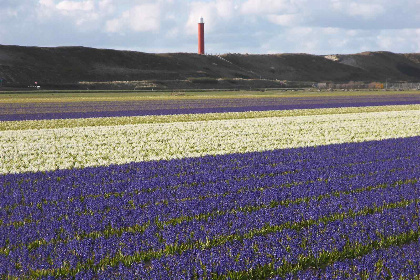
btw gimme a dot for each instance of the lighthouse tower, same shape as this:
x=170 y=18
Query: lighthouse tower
x=201 y=36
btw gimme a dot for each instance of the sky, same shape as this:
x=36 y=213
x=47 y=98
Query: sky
x=231 y=26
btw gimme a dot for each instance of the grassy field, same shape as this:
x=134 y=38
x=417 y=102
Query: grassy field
x=75 y=96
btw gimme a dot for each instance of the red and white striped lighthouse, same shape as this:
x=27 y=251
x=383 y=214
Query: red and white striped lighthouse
x=201 y=36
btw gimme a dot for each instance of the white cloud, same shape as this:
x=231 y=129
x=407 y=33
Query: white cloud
x=359 y=8
x=225 y=8
x=47 y=3
x=331 y=30
x=106 y=6
x=11 y=13
x=71 y=6
x=418 y=40
x=265 y=6
x=395 y=39
x=337 y=4
x=82 y=13
x=301 y=31
x=213 y=12
x=145 y=17
x=113 y=25
x=141 y=18
x=352 y=32
x=338 y=43
x=172 y=33
x=366 y=11
x=254 y=26
x=285 y=20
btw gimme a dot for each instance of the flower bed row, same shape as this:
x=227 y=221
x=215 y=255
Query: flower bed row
x=96 y=109
x=63 y=148
x=241 y=216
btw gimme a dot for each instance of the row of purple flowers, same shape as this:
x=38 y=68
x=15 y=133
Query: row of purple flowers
x=210 y=217
x=68 y=110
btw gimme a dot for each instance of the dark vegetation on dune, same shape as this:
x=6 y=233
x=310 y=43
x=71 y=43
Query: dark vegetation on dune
x=68 y=66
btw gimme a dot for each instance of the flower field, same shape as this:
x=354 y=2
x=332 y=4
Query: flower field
x=327 y=192
x=70 y=107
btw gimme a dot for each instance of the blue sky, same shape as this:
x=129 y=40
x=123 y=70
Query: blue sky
x=232 y=26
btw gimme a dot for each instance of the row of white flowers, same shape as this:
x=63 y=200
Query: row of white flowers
x=50 y=149
x=111 y=121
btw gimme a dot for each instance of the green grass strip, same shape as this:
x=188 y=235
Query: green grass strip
x=275 y=203
x=13 y=206
x=112 y=121
x=178 y=248
x=40 y=204
x=121 y=95
x=350 y=251
x=108 y=232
